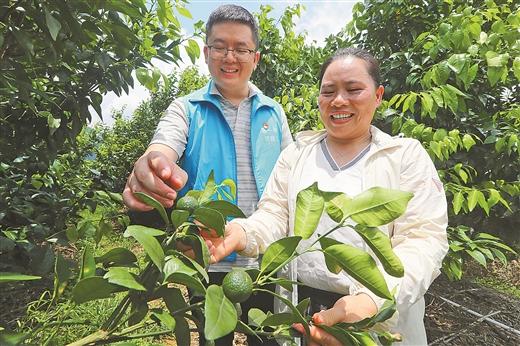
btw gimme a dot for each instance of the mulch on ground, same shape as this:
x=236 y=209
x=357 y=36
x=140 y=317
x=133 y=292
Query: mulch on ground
x=447 y=324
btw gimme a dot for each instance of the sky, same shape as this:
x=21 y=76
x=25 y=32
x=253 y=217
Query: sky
x=319 y=19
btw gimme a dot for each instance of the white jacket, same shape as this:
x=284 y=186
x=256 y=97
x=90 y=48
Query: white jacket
x=418 y=236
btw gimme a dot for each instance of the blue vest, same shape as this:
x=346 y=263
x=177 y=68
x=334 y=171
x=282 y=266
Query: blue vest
x=211 y=145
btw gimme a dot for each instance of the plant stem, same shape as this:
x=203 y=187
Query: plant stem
x=117 y=313
x=92 y=338
x=116 y=338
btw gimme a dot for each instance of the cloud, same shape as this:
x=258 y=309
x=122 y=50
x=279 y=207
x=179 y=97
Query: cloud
x=323 y=18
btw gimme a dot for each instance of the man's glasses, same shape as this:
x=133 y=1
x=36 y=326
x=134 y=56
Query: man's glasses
x=241 y=54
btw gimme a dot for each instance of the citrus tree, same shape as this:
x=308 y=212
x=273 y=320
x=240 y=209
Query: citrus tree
x=57 y=61
x=150 y=297
x=288 y=67
x=118 y=146
x=452 y=75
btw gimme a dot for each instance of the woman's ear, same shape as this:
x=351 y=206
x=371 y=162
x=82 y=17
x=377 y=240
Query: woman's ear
x=379 y=94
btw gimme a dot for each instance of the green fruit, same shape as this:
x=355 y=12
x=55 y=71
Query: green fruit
x=237 y=285
x=188 y=203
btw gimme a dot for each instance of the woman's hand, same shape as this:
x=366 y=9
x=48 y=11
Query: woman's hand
x=219 y=247
x=346 y=309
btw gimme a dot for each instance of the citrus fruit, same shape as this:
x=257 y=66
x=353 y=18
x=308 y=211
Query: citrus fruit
x=237 y=285
x=188 y=203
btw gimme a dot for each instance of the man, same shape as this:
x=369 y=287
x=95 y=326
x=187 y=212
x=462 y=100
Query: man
x=228 y=127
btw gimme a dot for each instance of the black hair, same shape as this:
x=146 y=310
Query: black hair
x=232 y=13
x=373 y=65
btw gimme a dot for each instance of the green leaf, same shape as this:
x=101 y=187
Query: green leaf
x=143 y=75
x=361 y=266
x=335 y=204
x=122 y=277
x=495 y=73
x=88 y=263
x=182 y=332
x=468 y=141
x=516 y=67
x=138 y=309
x=163 y=318
x=209 y=189
x=8 y=277
x=145 y=237
x=344 y=336
x=456 y=62
x=53 y=25
x=426 y=103
x=279 y=252
x=211 y=219
x=303 y=305
x=255 y=317
x=179 y=217
x=24 y=41
x=176 y=265
x=52 y=122
x=477 y=256
x=221 y=315
x=232 y=187
x=378 y=206
x=279 y=319
x=227 y=209
x=184 y=12
x=199 y=246
x=102 y=229
x=494 y=59
x=92 y=288
x=458 y=200
x=117 y=257
x=309 y=207
x=472 y=199
x=450 y=98
x=189 y=261
x=189 y=280
x=152 y=202
x=330 y=262
x=382 y=248
x=193 y=50
x=63 y=272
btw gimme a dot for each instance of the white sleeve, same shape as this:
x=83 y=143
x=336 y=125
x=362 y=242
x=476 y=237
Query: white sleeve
x=270 y=221
x=172 y=129
x=419 y=236
x=286 y=132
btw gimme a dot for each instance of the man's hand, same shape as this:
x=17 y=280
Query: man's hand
x=219 y=247
x=346 y=309
x=155 y=174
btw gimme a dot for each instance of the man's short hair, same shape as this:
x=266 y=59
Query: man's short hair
x=232 y=13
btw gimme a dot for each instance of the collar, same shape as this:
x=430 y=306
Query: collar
x=253 y=90
x=380 y=139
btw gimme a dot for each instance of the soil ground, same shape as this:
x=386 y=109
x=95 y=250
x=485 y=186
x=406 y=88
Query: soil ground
x=446 y=324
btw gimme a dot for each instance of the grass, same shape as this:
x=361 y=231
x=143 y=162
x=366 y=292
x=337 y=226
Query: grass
x=65 y=322
x=499 y=285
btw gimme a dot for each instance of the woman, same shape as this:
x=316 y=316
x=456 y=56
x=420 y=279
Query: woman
x=351 y=156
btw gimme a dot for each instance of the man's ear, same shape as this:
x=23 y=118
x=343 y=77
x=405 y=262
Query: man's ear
x=206 y=53
x=256 y=59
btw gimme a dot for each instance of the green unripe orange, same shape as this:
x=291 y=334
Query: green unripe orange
x=188 y=203
x=237 y=285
